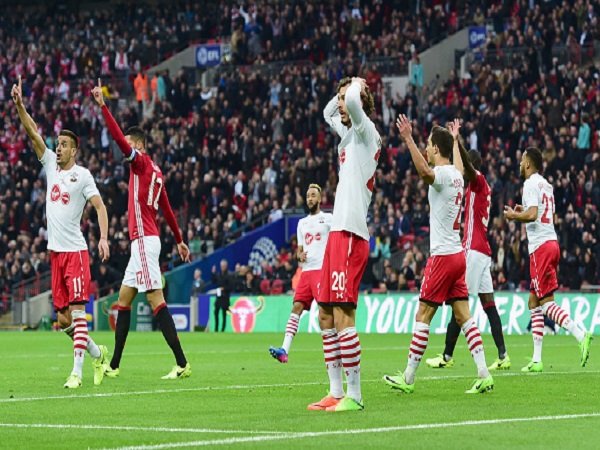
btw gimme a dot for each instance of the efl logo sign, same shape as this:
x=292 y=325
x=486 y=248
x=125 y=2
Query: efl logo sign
x=477 y=36
x=208 y=55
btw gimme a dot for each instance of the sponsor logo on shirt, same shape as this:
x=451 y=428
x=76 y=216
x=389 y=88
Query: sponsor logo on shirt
x=56 y=195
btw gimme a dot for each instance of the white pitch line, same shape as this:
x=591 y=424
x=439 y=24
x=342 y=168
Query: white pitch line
x=278 y=385
x=300 y=435
x=133 y=428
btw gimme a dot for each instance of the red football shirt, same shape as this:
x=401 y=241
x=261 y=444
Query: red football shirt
x=477 y=214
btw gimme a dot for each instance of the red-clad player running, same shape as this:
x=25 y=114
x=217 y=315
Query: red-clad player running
x=146 y=194
x=479 y=261
x=444 y=278
x=69 y=188
x=537 y=212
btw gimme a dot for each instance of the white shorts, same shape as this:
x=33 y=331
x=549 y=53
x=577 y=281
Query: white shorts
x=143 y=269
x=479 y=275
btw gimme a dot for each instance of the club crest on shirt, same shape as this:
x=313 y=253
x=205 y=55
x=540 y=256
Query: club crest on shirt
x=74 y=178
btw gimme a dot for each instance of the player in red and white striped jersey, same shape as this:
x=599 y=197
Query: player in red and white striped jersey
x=146 y=194
x=312 y=233
x=479 y=261
x=69 y=188
x=444 y=278
x=537 y=212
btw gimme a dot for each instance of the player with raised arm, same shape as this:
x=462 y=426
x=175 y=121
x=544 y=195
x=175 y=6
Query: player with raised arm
x=143 y=274
x=312 y=233
x=444 y=278
x=68 y=188
x=479 y=261
x=537 y=212
x=347 y=248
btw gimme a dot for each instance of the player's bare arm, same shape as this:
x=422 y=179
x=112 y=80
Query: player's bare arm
x=30 y=127
x=454 y=128
x=405 y=128
x=521 y=215
x=103 y=248
x=113 y=127
x=301 y=254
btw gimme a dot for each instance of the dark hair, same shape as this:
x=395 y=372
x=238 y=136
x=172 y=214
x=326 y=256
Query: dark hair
x=368 y=103
x=534 y=155
x=137 y=134
x=443 y=140
x=475 y=158
x=70 y=135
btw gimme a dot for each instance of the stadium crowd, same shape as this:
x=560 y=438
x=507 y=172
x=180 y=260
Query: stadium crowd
x=245 y=151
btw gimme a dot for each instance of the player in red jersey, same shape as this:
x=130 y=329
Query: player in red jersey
x=444 y=278
x=146 y=194
x=479 y=261
x=347 y=248
x=537 y=212
x=312 y=232
x=69 y=188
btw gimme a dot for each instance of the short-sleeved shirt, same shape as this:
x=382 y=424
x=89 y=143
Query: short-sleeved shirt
x=66 y=195
x=445 y=202
x=538 y=192
x=312 y=233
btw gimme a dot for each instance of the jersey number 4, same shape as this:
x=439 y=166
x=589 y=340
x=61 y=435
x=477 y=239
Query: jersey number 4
x=152 y=198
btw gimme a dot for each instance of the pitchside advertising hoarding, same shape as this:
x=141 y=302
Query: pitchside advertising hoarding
x=380 y=313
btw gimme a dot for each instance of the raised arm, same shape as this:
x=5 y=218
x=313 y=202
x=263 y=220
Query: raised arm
x=331 y=114
x=165 y=205
x=405 y=128
x=30 y=127
x=454 y=129
x=470 y=171
x=113 y=127
x=354 y=103
x=103 y=249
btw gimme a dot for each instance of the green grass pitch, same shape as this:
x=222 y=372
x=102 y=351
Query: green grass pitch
x=239 y=397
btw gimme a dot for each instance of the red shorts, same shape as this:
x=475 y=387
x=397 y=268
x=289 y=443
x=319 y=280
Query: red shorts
x=307 y=288
x=70 y=278
x=542 y=268
x=344 y=263
x=444 y=278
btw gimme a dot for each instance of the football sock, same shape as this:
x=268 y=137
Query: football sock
x=561 y=317
x=537 y=331
x=496 y=328
x=451 y=337
x=121 y=332
x=350 y=350
x=415 y=352
x=92 y=348
x=167 y=326
x=80 y=339
x=290 y=331
x=476 y=347
x=333 y=362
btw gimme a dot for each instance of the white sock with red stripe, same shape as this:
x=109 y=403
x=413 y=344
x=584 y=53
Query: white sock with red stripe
x=92 y=348
x=561 y=317
x=290 y=331
x=350 y=350
x=415 y=351
x=333 y=362
x=475 y=344
x=537 y=331
x=80 y=341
